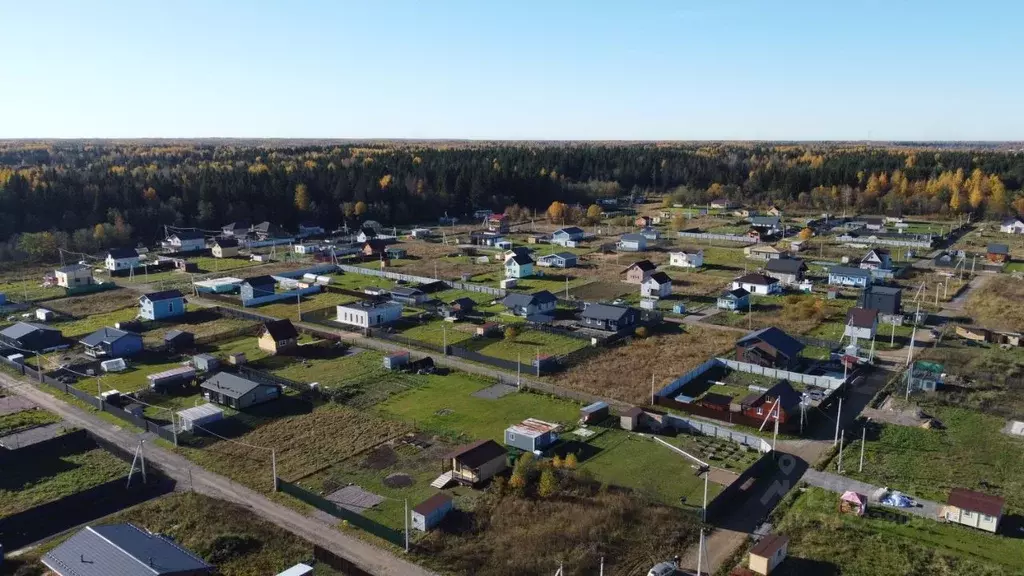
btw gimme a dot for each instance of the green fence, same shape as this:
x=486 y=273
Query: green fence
x=391 y=535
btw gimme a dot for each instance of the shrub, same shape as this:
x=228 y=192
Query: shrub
x=511 y=332
x=641 y=332
x=570 y=461
x=556 y=462
x=548 y=483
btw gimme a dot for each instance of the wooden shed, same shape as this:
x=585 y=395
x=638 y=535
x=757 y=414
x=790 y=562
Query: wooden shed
x=630 y=419
x=595 y=412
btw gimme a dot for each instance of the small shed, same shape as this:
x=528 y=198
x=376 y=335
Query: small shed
x=594 y=413
x=179 y=339
x=429 y=513
x=768 y=553
x=200 y=415
x=237 y=359
x=531 y=435
x=173 y=377
x=44 y=315
x=396 y=360
x=298 y=570
x=205 y=362
x=630 y=419
x=486 y=329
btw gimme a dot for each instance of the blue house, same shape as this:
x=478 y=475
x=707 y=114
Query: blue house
x=738 y=299
x=558 y=260
x=632 y=243
x=519 y=266
x=257 y=286
x=531 y=435
x=112 y=343
x=849 y=276
x=160 y=305
x=567 y=236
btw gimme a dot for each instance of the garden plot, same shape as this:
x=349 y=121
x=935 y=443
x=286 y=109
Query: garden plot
x=97 y=303
x=526 y=345
x=290 y=308
x=437 y=332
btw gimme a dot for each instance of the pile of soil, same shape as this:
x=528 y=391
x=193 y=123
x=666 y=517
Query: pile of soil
x=398 y=481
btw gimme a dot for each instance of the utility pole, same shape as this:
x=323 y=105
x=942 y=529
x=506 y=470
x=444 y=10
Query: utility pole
x=273 y=466
x=519 y=369
x=406 y=525
x=652 y=388
x=863 y=440
x=839 y=464
x=839 y=415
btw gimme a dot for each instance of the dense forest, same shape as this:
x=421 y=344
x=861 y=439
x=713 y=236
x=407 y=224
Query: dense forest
x=86 y=196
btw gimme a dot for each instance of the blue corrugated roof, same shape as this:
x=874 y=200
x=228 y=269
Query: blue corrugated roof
x=121 y=550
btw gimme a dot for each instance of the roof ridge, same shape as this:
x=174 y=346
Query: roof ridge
x=123 y=551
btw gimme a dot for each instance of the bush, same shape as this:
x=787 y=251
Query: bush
x=556 y=462
x=641 y=332
x=511 y=332
x=548 y=483
x=230 y=546
x=570 y=461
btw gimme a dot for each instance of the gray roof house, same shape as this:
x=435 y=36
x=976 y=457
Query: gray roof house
x=787 y=270
x=766 y=222
x=632 y=242
x=530 y=305
x=236 y=392
x=558 y=260
x=111 y=342
x=33 y=337
x=122 y=550
x=849 y=276
x=609 y=318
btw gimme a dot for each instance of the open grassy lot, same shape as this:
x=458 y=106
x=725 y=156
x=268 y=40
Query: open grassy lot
x=998 y=305
x=306 y=439
x=969 y=450
x=978 y=239
x=45 y=480
x=453 y=294
x=227 y=535
x=11 y=423
x=200 y=322
x=75 y=329
x=553 y=280
x=723 y=381
x=290 y=308
x=624 y=372
x=211 y=264
x=98 y=303
x=28 y=290
x=445 y=405
x=989 y=377
x=885 y=542
x=438 y=331
x=601 y=291
x=352 y=281
x=526 y=345
x=641 y=464
x=795 y=313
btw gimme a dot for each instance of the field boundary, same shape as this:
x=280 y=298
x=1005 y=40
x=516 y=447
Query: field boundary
x=357 y=520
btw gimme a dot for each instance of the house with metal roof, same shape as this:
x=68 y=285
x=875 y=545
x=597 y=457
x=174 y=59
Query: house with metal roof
x=849 y=276
x=161 y=305
x=112 y=343
x=687 y=258
x=519 y=266
x=429 y=513
x=639 y=271
x=224 y=247
x=769 y=347
x=73 y=275
x=876 y=259
x=456 y=309
x=609 y=318
x=538 y=304
x=239 y=229
x=227 y=389
x=186 y=241
x=257 y=286
x=31 y=337
x=758 y=284
x=997 y=253
x=474 y=463
x=974 y=509
x=886 y=299
x=657 y=285
x=767 y=224
x=567 y=236
x=1012 y=226
x=632 y=243
x=532 y=435
x=278 y=336
x=768 y=553
x=789 y=271
x=122 y=259
x=861 y=323
x=558 y=260
x=123 y=550
x=736 y=300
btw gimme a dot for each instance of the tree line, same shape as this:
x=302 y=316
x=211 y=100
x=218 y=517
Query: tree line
x=87 y=196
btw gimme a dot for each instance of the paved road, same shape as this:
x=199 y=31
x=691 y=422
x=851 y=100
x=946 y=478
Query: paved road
x=370 y=558
x=839 y=484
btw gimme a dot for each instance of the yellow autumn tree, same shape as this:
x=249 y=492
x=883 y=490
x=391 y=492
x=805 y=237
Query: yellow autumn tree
x=955 y=201
x=976 y=186
x=301 y=198
x=548 y=484
x=99 y=232
x=594 y=214
x=806 y=234
x=570 y=461
x=360 y=208
x=385 y=181
x=997 y=196
x=557 y=211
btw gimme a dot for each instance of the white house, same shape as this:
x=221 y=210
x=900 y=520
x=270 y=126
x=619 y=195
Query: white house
x=122 y=259
x=421 y=233
x=519 y=266
x=567 y=237
x=657 y=285
x=686 y=259
x=1012 y=226
x=758 y=284
x=73 y=275
x=876 y=259
x=187 y=241
x=861 y=323
x=366 y=314
x=974 y=509
x=650 y=233
x=762 y=252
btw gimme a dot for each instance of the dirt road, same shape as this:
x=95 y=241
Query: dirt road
x=370 y=558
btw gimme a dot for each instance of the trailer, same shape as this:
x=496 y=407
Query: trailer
x=170 y=378
x=200 y=416
x=396 y=360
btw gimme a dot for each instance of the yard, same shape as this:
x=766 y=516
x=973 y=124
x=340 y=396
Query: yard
x=997 y=306
x=16 y=421
x=624 y=372
x=989 y=377
x=97 y=303
x=29 y=290
x=552 y=280
x=967 y=451
x=526 y=345
x=437 y=332
x=887 y=543
x=45 y=480
x=75 y=329
x=357 y=282
x=446 y=405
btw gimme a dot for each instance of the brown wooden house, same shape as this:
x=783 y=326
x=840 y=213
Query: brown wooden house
x=476 y=463
x=278 y=336
x=769 y=347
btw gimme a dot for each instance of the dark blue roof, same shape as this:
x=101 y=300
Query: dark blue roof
x=163 y=295
x=776 y=338
x=122 y=550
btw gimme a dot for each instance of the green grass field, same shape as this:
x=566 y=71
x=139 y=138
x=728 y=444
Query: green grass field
x=526 y=345
x=887 y=543
x=351 y=281
x=29 y=485
x=928 y=463
x=552 y=281
x=28 y=290
x=10 y=423
x=653 y=470
x=75 y=329
x=444 y=404
x=290 y=308
x=438 y=331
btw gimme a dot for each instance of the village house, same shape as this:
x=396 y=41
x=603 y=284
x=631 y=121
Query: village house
x=885 y=299
x=421 y=233
x=73 y=275
x=31 y=337
x=876 y=259
x=758 y=284
x=111 y=343
x=122 y=549
x=224 y=247
x=773 y=211
x=519 y=267
x=861 y=323
x=744 y=213
x=768 y=553
x=456 y=309
x=537 y=305
x=762 y=252
x=643 y=221
x=428 y=514
x=308 y=228
x=278 y=337
x=474 y=464
x=531 y=435
x=394 y=253
x=558 y=260
x=407 y=295
x=657 y=285
x=186 y=241
x=257 y=286
x=734 y=300
x=722 y=204
x=687 y=258
x=873 y=223
x=849 y=276
x=652 y=234
x=233 y=391
x=485 y=238
x=236 y=229
x=1012 y=226
x=761 y=405
x=374 y=247
x=770 y=225
x=789 y=271
x=974 y=333
x=609 y=318
x=769 y=347
x=974 y=509
x=366 y=234
x=498 y=223
x=122 y=259
x=632 y=243
x=366 y=314
x=998 y=253
x=267 y=231
x=517 y=251
x=567 y=237
x=639 y=271
x=162 y=305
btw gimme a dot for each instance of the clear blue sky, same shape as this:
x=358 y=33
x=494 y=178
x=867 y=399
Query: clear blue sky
x=515 y=69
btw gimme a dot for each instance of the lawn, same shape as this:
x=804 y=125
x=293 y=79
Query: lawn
x=888 y=336
x=526 y=345
x=211 y=264
x=28 y=290
x=969 y=450
x=810 y=314
x=352 y=281
x=445 y=405
x=39 y=481
x=997 y=305
x=641 y=464
x=227 y=535
x=990 y=377
x=75 y=329
x=887 y=543
x=438 y=331
x=290 y=308
x=11 y=423
x=98 y=303
x=553 y=280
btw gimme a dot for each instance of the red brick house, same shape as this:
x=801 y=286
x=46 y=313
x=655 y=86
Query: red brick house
x=759 y=404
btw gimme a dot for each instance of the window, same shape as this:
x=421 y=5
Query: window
x=759 y=410
x=987 y=518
